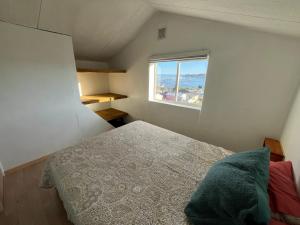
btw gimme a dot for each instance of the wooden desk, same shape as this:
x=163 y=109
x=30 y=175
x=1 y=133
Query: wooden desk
x=275 y=148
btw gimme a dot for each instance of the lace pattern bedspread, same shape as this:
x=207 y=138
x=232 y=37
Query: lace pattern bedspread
x=138 y=174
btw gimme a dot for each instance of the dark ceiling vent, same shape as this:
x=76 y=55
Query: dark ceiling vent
x=162 y=33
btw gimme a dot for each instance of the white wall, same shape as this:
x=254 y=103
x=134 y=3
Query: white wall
x=252 y=77
x=40 y=110
x=94 y=83
x=87 y=64
x=290 y=138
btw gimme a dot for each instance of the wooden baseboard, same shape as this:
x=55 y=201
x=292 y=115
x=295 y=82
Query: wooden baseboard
x=28 y=164
x=1 y=192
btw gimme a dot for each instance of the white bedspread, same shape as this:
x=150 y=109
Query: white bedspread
x=138 y=174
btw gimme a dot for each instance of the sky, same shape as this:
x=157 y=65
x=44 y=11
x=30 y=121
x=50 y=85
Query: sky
x=188 y=67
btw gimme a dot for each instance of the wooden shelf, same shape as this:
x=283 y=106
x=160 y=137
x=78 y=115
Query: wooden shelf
x=82 y=70
x=87 y=102
x=105 y=97
x=111 y=114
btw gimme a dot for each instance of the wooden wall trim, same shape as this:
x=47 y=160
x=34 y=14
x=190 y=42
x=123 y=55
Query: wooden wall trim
x=1 y=192
x=28 y=164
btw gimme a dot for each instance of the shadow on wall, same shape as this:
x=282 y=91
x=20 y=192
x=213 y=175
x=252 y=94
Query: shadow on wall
x=40 y=107
x=290 y=138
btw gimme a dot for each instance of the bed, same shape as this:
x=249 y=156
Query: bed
x=135 y=174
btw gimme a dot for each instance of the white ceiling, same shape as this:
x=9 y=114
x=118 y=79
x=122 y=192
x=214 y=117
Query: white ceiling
x=23 y=12
x=101 y=28
x=281 y=16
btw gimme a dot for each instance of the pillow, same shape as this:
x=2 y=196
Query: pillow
x=234 y=192
x=284 y=198
x=285 y=218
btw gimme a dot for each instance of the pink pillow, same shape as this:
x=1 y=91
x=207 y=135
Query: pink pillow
x=282 y=189
x=276 y=222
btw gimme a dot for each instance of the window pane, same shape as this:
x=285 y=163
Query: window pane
x=165 y=85
x=192 y=81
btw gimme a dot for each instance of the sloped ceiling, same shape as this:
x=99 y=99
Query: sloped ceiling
x=101 y=28
x=281 y=16
x=23 y=12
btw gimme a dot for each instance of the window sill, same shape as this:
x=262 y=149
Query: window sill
x=177 y=105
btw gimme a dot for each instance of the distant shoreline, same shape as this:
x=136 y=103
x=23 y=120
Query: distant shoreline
x=186 y=81
x=174 y=75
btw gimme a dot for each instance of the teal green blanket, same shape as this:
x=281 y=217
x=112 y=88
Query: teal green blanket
x=234 y=192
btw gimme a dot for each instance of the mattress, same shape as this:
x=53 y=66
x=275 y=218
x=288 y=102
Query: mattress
x=136 y=174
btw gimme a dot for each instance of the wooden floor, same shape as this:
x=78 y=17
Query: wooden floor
x=27 y=204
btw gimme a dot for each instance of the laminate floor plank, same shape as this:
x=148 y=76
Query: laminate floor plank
x=25 y=203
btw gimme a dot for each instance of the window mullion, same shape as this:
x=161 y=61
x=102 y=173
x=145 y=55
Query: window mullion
x=177 y=81
x=155 y=80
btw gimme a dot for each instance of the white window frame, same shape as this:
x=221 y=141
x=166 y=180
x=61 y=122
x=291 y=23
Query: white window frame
x=178 y=58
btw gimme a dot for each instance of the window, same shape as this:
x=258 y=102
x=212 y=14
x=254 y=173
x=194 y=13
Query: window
x=178 y=81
